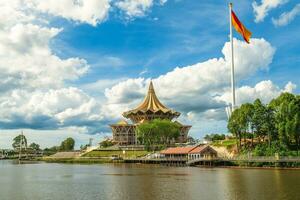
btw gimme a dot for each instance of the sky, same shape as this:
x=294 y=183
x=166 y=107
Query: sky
x=70 y=69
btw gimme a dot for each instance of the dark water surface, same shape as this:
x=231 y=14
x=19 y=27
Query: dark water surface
x=143 y=182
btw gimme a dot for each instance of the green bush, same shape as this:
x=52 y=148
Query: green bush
x=275 y=147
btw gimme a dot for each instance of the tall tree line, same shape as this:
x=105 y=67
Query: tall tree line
x=276 y=122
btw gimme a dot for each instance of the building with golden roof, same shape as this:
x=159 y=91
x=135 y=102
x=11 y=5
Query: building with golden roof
x=151 y=108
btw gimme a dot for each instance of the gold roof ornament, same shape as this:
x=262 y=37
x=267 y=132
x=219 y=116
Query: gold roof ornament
x=151 y=104
x=122 y=122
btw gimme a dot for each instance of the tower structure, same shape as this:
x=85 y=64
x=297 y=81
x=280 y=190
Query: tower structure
x=151 y=108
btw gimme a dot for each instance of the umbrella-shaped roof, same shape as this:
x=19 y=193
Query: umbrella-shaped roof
x=151 y=103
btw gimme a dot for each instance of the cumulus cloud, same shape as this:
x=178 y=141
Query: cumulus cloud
x=33 y=78
x=66 y=107
x=137 y=8
x=28 y=62
x=11 y=13
x=262 y=10
x=134 y=7
x=286 y=17
x=91 y=11
x=194 y=88
x=264 y=90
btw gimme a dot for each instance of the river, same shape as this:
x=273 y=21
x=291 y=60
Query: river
x=143 y=182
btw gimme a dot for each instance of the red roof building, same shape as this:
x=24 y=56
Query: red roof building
x=195 y=152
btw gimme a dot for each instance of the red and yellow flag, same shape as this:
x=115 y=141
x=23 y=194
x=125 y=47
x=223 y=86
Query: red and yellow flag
x=239 y=27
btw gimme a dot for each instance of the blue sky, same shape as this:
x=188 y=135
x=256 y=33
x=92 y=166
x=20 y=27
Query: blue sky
x=70 y=70
x=179 y=33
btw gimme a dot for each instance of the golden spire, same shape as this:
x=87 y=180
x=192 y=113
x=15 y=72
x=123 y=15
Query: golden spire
x=150 y=103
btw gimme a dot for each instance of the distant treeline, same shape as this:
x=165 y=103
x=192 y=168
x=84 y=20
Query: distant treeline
x=67 y=145
x=20 y=143
x=272 y=128
x=214 y=137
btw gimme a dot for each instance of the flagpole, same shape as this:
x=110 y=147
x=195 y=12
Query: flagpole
x=232 y=61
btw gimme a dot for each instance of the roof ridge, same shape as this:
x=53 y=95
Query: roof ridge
x=152 y=103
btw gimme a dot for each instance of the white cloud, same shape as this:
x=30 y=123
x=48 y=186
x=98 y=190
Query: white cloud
x=92 y=12
x=194 y=88
x=290 y=87
x=87 y=11
x=98 y=87
x=134 y=8
x=264 y=90
x=53 y=109
x=137 y=8
x=11 y=13
x=262 y=10
x=286 y=17
x=26 y=61
x=33 y=78
x=145 y=71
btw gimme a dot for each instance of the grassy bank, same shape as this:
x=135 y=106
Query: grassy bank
x=115 y=153
x=244 y=164
x=83 y=160
x=97 y=156
x=225 y=143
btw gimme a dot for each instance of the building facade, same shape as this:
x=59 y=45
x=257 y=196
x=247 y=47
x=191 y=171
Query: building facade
x=124 y=133
x=190 y=153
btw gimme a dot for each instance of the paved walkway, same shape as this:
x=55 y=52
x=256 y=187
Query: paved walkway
x=69 y=154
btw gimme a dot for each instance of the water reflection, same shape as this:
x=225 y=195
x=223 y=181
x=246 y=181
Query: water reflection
x=143 y=182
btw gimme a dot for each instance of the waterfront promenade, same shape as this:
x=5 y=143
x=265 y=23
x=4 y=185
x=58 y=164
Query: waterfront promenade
x=215 y=161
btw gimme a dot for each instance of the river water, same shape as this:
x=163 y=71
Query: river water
x=143 y=182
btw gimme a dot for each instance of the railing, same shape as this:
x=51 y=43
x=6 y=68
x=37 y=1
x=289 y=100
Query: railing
x=250 y=159
x=158 y=159
x=191 y=161
x=267 y=158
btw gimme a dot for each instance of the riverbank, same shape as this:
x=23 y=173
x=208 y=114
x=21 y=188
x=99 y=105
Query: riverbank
x=231 y=165
x=78 y=160
x=221 y=164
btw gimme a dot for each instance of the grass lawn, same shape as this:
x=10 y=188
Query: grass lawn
x=76 y=160
x=110 y=153
x=225 y=143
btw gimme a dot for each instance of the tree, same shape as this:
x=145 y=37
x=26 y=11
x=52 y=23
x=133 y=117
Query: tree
x=84 y=147
x=246 y=115
x=19 y=141
x=51 y=150
x=278 y=121
x=214 y=137
x=67 y=145
x=106 y=143
x=263 y=121
x=287 y=110
x=236 y=125
x=157 y=132
x=259 y=118
x=34 y=146
x=296 y=127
